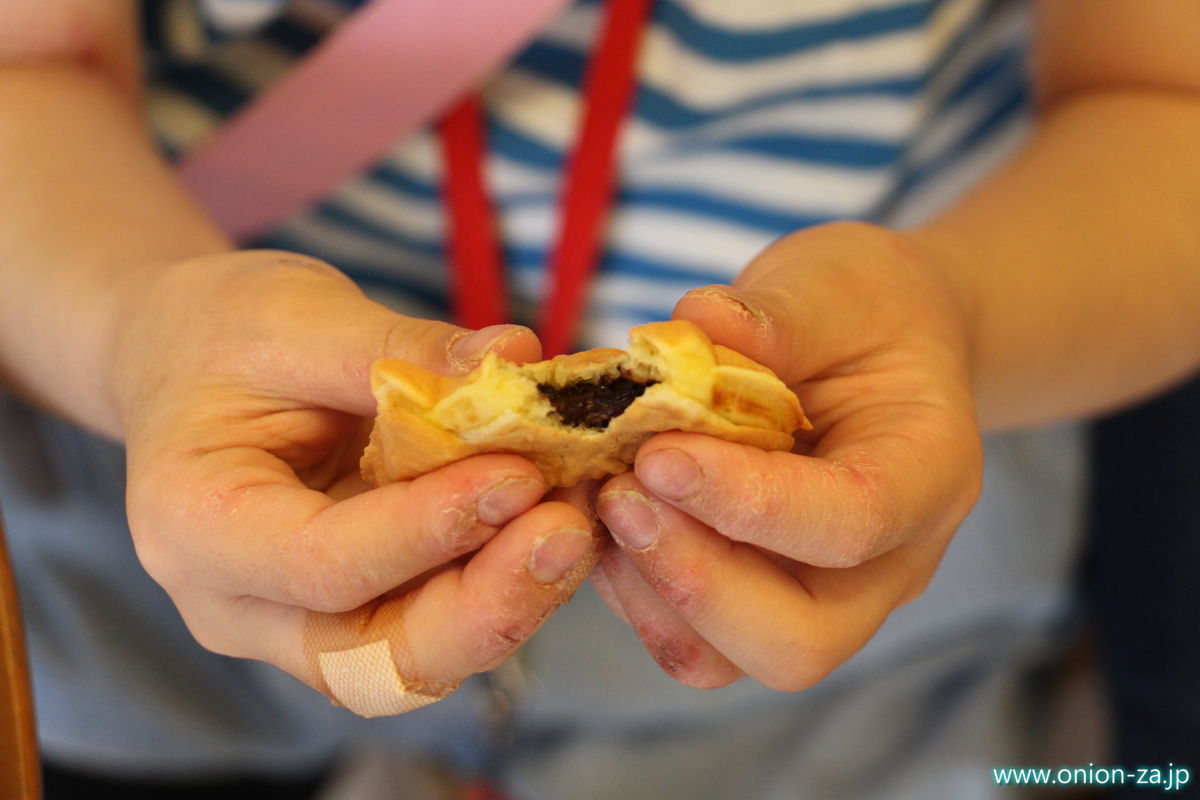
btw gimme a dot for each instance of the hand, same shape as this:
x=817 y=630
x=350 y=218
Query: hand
x=243 y=389
x=782 y=565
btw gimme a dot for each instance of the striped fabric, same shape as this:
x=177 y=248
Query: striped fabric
x=752 y=119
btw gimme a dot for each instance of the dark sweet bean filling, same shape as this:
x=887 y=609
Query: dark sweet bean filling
x=593 y=404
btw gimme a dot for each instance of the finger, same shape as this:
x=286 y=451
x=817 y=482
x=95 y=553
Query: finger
x=342 y=382
x=756 y=326
x=674 y=645
x=804 y=306
x=506 y=591
x=678 y=649
x=355 y=332
x=316 y=334
x=786 y=629
x=868 y=487
x=258 y=532
x=464 y=620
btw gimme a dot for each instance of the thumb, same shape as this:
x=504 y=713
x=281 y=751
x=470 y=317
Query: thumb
x=757 y=324
x=816 y=300
x=351 y=332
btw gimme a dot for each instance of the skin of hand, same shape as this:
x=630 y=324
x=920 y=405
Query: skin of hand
x=238 y=382
x=239 y=385
x=781 y=565
x=242 y=387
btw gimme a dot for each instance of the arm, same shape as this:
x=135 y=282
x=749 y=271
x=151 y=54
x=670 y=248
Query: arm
x=1067 y=283
x=237 y=382
x=89 y=211
x=1079 y=263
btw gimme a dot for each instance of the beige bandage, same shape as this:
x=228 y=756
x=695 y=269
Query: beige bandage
x=360 y=659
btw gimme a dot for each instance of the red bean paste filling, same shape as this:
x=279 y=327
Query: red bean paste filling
x=593 y=404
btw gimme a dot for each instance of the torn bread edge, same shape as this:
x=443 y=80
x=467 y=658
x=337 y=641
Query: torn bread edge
x=426 y=420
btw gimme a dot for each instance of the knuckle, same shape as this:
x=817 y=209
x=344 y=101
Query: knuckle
x=312 y=577
x=320 y=590
x=289 y=277
x=426 y=342
x=766 y=510
x=499 y=636
x=317 y=593
x=804 y=667
x=285 y=287
x=164 y=556
x=867 y=522
x=809 y=654
x=916 y=587
x=213 y=638
x=793 y=679
x=854 y=520
x=681 y=656
x=456 y=530
x=709 y=677
x=859 y=545
x=157 y=558
x=686 y=585
x=973 y=485
x=756 y=520
x=213 y=642
x=268 y=262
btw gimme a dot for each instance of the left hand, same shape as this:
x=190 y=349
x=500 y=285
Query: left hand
x=782 y=565
x=242 y=385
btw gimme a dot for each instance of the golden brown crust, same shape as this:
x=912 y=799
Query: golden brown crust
x=426 y=420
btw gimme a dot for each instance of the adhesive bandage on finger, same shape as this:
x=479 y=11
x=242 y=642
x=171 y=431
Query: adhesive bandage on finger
x=360 y=659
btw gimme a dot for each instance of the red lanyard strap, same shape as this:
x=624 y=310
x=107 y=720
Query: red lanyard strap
x=588 y=187
x=476 y=275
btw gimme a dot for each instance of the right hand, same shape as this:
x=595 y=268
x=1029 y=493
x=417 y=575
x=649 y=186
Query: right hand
x=242 y=383
x=782 y=565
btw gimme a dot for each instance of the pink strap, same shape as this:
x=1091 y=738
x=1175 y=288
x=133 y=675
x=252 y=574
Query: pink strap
x=390 y=68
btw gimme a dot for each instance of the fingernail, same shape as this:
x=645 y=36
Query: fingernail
x=473 y=346
x=743 y=308
x=630 y=518
x=507 y=499
x=557 y=553
x=671 y=473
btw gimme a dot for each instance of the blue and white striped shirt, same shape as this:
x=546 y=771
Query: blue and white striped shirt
x=751 y=120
